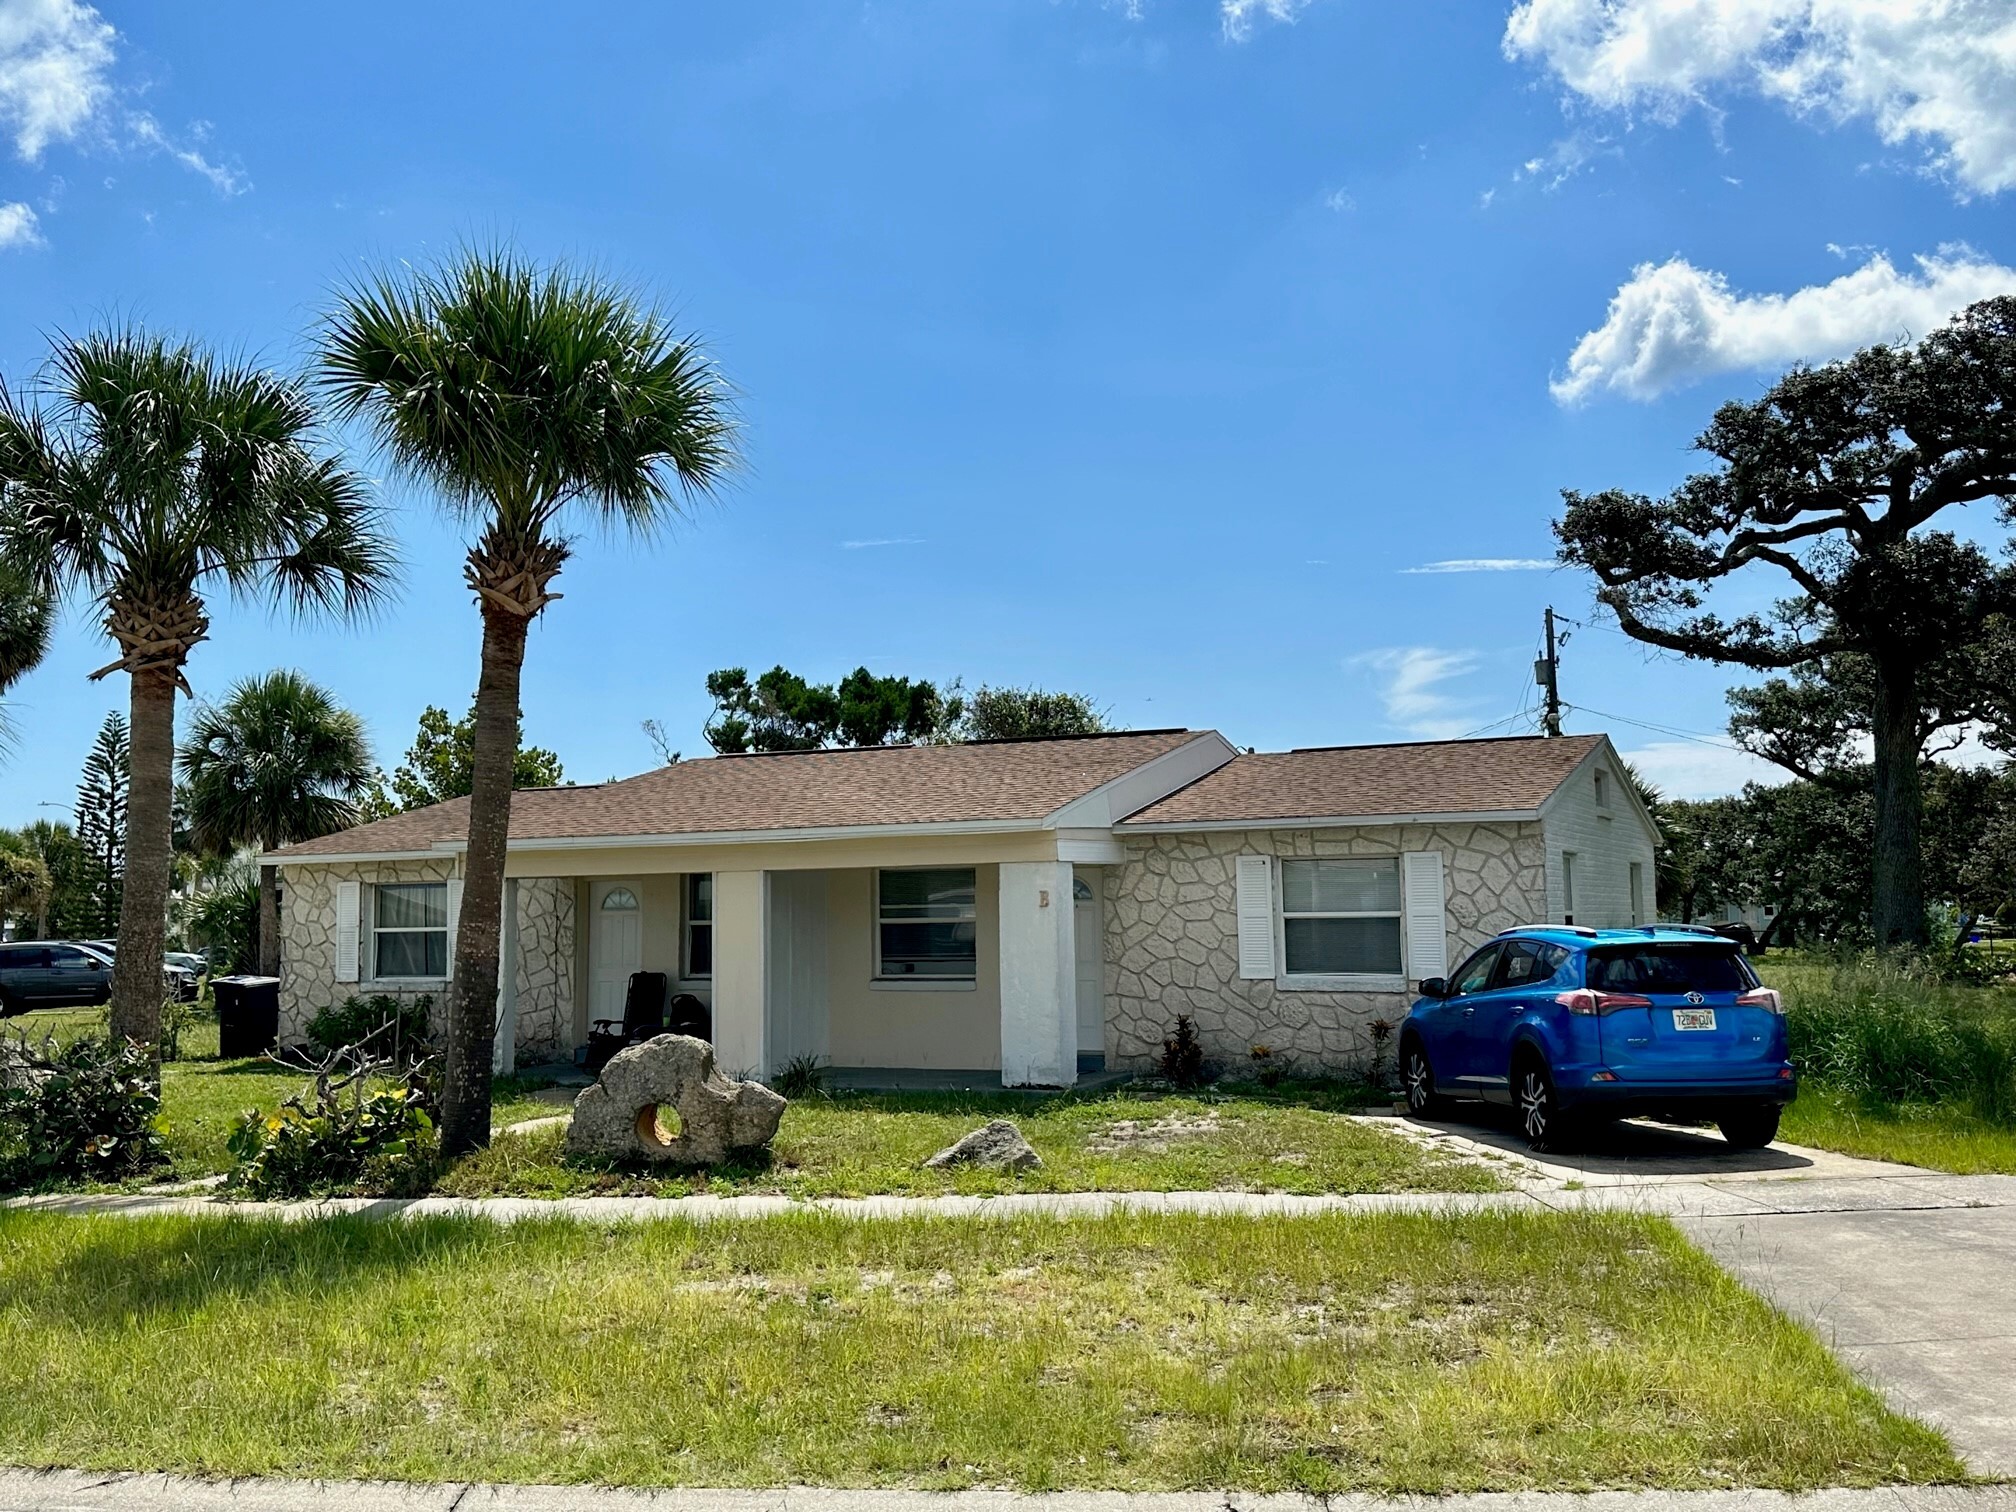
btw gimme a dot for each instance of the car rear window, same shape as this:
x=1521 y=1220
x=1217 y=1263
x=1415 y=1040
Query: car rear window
x=1669 y=968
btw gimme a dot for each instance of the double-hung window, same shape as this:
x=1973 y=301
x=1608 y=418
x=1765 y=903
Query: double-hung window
x=699 y=946
x=926 y=924
x=409 y=930
x=1341 y=918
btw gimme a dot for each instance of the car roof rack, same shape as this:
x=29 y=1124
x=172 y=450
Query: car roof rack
x=1574 y=929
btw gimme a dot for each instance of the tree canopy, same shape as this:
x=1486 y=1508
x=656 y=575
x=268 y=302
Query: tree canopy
x=441 y=763
x=782 y=711
x=1831 y=479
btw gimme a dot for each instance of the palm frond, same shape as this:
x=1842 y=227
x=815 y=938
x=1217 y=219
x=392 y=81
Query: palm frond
x=516 y=391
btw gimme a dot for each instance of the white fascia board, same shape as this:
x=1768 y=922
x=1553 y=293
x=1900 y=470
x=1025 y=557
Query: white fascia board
x=1333 y=821
x=1150 y=782
x=1090 y=847
x=764 y=837
x=354 y=858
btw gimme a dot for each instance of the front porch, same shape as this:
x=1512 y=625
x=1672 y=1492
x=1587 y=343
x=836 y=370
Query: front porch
x=945 y=976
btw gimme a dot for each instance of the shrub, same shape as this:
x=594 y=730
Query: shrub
x=341 y=1139
x=394 y=1026
x=1183 y=1055
x=1267 y=1068
x=88 y=1110
x=1379 y=1071
x=802 y=1076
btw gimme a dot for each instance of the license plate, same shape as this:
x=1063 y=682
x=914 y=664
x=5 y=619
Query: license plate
x=1693 y=1018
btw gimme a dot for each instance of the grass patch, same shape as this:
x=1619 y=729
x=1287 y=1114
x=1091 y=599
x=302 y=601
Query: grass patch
x=1897 y=1064
x=1937 y=1136
x=1122 y=1141
x=1383 y=1353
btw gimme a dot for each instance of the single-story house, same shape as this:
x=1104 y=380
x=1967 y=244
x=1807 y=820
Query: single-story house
x=1033 y=908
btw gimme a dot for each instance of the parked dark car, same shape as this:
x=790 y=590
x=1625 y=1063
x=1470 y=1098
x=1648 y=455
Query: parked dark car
x=51 y=974
x=179 y=982
x=1565 y=1023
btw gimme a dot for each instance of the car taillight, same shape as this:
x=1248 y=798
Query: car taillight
x=1588 y=1000
x=1762 y=997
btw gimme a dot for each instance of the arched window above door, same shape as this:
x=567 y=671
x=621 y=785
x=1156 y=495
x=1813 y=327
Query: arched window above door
x=1081 y=890
x=619 y=900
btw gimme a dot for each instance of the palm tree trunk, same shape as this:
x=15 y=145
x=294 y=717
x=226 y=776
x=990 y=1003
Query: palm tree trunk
x=472 y=996
x=136 y=974
x=1898 y=913
x=269 y=919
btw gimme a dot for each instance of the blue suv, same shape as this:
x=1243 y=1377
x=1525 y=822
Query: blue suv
x=1564 y=1023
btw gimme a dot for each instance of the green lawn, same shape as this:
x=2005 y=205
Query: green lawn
x=1939 y=1137
x=1123 y=1141
x=1384 y=1353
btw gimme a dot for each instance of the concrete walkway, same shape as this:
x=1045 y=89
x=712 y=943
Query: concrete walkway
x=68 y=1491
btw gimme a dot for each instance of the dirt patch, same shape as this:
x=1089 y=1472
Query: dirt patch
x=1153 y=1135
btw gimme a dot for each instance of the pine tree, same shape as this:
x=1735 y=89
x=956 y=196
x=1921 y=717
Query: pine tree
x=101 y=816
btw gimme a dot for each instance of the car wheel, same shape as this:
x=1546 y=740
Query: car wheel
x=1750 y=1128
x=1417 y=1077
x=1540 y=1117
x=7 y=1008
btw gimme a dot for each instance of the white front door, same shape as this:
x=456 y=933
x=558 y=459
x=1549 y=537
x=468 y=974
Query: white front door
x=615 y=946
x=1091 y=951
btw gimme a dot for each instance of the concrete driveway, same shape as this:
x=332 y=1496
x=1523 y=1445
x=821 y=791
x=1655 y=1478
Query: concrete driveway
x=1908 y=1274
x=1922 y=1302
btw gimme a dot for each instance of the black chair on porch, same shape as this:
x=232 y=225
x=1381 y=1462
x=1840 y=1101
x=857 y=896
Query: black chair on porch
x=643 y=1019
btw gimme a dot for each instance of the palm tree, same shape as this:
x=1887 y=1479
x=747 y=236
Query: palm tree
x=522 y=395
x=25 y=621
x=278 y=761
x=143 y=474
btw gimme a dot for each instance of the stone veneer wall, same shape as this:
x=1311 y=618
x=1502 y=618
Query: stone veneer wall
x=545 y=951
x=1172 y=937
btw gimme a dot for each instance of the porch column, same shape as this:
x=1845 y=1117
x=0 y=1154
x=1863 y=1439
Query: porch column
x=504 y=1049
x=741 y=929
x=1039 y=975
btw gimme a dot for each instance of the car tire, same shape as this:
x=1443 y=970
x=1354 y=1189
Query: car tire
x=1538 y=1106
x=1750 y=1128
x=1417 y=1080
x=7 y=1008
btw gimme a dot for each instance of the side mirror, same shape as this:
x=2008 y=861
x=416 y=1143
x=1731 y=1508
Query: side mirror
x=1435 y=987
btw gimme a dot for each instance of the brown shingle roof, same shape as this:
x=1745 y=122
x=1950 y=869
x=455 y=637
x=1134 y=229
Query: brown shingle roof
x=948 y=784
x=1434 y=777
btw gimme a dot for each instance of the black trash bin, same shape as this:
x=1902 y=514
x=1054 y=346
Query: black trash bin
x=248 y=1015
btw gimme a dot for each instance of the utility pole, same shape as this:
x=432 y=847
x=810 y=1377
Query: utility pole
x=1547 y=673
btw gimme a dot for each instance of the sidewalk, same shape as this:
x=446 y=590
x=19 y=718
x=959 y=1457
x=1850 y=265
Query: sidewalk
x=1666 y=1197
x=69 y=1491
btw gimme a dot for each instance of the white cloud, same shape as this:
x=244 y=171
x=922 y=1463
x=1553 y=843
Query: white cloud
x=884 y=541
x=1485 y=564
x=1414 y=695
x=226 y=181
x=1941 y=72
x=1340 y=200
x=54 y=57
x=1673 y=323
x=18 y=227
x=1238 y=16
x=1691 y=769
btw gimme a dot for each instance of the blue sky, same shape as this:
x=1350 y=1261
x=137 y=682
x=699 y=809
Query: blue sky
x=1147 y=350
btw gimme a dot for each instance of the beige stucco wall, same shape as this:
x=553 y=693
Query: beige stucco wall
x=885 y=1024
x=546 y=928
x=1172 y=937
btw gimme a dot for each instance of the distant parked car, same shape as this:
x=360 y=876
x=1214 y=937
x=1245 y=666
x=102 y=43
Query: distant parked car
x=51 y=974
x=1566 y=1023
x=179 y=981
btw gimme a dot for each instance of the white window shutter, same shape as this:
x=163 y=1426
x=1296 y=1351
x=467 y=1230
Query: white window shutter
x=454 y=918
x=1254 y=886
x=349 y=908
x=1427 y=915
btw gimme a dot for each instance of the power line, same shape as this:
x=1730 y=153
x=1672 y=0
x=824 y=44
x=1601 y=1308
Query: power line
x=1699 y=737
